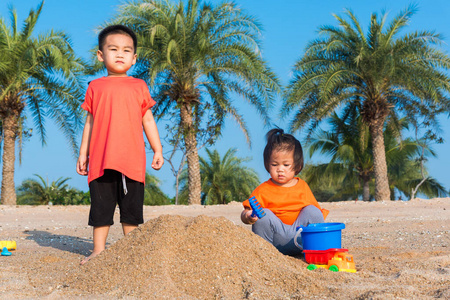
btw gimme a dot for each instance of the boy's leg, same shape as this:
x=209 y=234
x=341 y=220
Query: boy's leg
x=99 y=237
x=127 y=228
x=104 y=194
x=100 y=233
x=131 y=205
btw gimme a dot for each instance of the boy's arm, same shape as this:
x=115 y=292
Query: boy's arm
x=83 y=158
x=151 y=132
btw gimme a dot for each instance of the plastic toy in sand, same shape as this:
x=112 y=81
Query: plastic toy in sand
x=336 y=260
x=256 y=207
x=321 y=244
x=5 y=252
x=10 y=245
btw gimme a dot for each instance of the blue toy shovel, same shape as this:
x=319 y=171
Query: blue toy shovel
x=256 y=207
x=5 y=252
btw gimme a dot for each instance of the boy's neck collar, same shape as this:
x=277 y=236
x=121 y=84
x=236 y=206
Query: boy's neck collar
x=118 y=76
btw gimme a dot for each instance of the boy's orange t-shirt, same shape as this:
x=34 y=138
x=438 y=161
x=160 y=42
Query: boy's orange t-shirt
x=285 y=202
x=118 y=105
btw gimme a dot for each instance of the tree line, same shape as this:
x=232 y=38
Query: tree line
x=200 y=59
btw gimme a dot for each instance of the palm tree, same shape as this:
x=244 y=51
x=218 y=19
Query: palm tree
x=152 y=193
x=348 y=143
x=389 y=73
x=223 y=179
x=41 y=73
x=199 y=57
x=350 y=169
x=406 y=167
x=39 y=192
x=405 y=176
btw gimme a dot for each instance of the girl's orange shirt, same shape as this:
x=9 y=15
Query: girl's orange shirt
x=117 y=141
x=285 y=202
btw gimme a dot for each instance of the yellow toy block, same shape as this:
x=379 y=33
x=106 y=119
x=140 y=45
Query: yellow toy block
x=10 y=245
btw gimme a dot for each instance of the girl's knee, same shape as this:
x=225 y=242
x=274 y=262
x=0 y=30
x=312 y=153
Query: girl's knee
x=266 y=219
x=311 y=209
x=310 y=214
x=266 y=226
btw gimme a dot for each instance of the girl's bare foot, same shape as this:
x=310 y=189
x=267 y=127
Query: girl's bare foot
x=88 y=258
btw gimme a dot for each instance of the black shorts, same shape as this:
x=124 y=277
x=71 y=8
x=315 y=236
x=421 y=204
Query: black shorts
x=107 y=191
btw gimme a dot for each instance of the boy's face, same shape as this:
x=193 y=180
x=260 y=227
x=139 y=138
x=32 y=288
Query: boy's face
x=281 y=168
x=117 y=54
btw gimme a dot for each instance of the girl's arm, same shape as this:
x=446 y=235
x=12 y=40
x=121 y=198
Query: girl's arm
x=246 y=217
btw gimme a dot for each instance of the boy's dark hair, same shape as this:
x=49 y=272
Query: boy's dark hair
x=116 y=29
x=277 y=140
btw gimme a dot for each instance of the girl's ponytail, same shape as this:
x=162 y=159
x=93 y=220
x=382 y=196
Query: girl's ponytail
x=277 y=140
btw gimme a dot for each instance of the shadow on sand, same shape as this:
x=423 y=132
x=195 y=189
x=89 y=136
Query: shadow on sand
x=67 y=243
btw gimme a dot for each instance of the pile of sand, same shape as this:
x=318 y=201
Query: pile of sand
x=211 y=258
x=201 y=257
x=401 y=251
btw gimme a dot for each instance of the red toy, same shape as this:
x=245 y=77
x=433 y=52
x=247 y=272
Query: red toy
x=334 y=259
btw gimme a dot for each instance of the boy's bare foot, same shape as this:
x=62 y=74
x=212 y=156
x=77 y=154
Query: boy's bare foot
x=88 y=258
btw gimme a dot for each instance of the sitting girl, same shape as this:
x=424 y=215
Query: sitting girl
x=287 y=200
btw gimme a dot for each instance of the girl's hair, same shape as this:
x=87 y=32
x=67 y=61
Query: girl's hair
x=277 y=140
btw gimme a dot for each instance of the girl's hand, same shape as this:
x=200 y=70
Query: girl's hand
x=246 y=217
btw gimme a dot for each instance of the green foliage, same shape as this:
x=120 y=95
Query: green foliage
x=196 y=53
x=404 y=167
x=387 y=73
x=351 y=165
x=223 y=179
x=324 y=190
x=410 y=178
x=199 y=57
x=153 y=194
x=42 y=73
x=39 y=192
x=384 y=70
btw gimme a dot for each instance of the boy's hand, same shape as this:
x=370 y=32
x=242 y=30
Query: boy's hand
x=158 y=161
x=246 y=217
x=82 y=165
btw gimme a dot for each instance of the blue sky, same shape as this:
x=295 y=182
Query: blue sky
x=288 y=26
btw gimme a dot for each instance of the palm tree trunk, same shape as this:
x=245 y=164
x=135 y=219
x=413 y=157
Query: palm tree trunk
x=8 y=193
x=366 y=189
x=382 y=191
x=190 y=141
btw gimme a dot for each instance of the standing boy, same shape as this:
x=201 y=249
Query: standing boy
x=118 y=111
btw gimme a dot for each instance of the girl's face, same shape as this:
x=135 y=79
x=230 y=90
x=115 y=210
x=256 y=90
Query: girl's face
x=281 y=168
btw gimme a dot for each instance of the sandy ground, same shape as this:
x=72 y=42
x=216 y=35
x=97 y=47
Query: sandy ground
x=401 y=250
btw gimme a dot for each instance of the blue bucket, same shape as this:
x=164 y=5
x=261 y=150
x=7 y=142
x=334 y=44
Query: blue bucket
x=321 y=236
